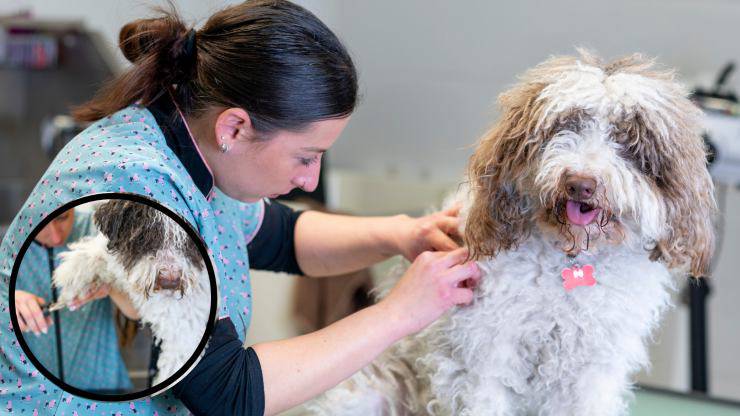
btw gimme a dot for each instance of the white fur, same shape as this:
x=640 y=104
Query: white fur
x=593 y=153
x=177 y=320
x=526 y=346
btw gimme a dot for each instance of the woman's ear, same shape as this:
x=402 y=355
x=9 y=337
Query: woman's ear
x=231 y=125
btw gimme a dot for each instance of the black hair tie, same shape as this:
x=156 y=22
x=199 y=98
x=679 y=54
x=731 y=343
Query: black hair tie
x=189 y=48
x=186 y=66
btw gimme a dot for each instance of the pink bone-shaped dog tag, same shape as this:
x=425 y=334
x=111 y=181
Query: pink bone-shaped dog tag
x=577 y=276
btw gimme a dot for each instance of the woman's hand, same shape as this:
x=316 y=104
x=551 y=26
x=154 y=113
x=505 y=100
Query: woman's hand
x=121 y=300
x=435 y=282
x=296 y=369
x=434 y=232
x=28 y=312
x=93 y=293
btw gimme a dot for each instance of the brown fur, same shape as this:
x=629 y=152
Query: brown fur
x=135 y=230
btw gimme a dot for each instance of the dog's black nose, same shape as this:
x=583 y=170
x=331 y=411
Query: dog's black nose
x=168 y=279
x=580 y=188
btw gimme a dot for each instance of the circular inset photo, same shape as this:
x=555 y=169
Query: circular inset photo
x=113 y=297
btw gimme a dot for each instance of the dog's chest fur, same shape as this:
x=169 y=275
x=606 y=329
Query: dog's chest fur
x=525 y=345
x=526 y=333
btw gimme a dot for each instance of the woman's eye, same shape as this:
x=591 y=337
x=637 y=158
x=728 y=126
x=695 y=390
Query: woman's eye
x=308 y=162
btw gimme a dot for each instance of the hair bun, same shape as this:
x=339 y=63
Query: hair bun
x=164 y=43
x=143 y=37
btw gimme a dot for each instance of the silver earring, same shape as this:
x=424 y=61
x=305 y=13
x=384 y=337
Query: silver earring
x=224 y=147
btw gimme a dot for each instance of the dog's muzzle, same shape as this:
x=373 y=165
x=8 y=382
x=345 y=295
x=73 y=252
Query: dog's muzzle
x=168 y=279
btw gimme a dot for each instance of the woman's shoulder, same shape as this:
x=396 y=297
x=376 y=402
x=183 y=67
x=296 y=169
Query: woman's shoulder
x=129 y=115
x=126 y=148
x=125 y=152
x=130 y=132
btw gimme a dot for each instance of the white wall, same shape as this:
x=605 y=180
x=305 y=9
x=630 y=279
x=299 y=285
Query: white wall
x=107 y=16
x=431 y=69
x=724 y=307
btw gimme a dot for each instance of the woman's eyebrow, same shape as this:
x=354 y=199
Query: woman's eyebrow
x=62 y=217
x=313 y=149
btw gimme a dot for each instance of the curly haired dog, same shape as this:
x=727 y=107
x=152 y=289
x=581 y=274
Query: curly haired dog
x=145 y=254
x=587 y=199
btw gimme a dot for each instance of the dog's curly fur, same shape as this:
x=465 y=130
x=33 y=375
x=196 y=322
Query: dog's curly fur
x=526 y=345
x=136 y=244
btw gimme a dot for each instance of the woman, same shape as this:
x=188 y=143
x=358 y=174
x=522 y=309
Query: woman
x=79 y=347
x=241 y=110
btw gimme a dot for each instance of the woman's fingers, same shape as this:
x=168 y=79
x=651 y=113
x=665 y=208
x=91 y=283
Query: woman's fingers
x=454 y=257
x=462 y=296
x=21 y=321
x=432 y=285
x=450 y=225
x=463 y=272
x=95 y=292
x=34 y=318
x=454 y=210
x=441 y=241
x=38 y=317
x=25 y=314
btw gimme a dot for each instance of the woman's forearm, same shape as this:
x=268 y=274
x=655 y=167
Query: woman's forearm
x=297 y=369
x=328 y=244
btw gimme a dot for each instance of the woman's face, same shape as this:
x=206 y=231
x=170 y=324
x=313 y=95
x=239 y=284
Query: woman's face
x=251 y=170
x=55 y=233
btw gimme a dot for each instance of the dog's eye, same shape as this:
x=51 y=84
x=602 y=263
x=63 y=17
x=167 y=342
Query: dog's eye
x=636 y=159
x=638 y=144
x=648 y=166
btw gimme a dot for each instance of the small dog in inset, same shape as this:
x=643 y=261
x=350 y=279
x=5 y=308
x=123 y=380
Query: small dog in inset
x=586 y=200
x=143 y=253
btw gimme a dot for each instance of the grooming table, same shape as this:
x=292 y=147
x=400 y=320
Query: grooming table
x=658 y=402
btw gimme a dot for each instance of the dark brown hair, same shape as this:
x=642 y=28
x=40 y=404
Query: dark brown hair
x=274 y=59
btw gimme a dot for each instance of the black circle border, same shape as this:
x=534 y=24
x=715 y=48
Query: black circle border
x=164 y=385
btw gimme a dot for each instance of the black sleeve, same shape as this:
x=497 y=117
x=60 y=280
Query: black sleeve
x=227 y=379
x=273 y=247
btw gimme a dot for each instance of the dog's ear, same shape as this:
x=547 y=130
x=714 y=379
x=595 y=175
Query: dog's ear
x=121 y=221
x=664 y=139
x=688 y=193
x=109 y=217
x=500 y=215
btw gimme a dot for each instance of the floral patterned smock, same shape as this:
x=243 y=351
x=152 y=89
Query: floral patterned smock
x=146 y=151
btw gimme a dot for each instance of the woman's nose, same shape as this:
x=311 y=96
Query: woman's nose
x=307 y=183
x=55 y=235
x=310 y=180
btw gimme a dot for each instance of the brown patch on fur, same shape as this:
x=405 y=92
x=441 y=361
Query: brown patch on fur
x=667 y=147
x=499 y=216
x=135 y=230
x=668 y=150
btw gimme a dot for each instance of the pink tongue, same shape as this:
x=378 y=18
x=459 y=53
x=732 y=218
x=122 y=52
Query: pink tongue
x=573 y=210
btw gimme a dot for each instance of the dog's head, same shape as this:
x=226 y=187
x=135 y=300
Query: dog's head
x=595 y=153
x=153 y=249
